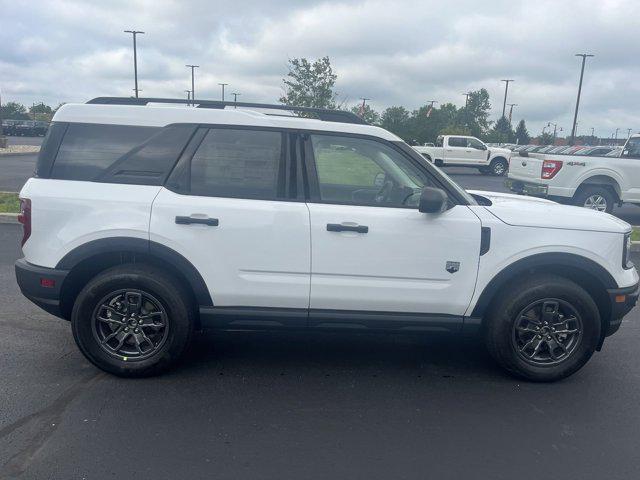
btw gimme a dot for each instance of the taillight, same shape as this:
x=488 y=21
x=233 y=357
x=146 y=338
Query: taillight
x=25 y=219
x=550 y=168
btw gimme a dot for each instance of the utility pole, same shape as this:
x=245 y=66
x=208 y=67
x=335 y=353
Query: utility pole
x=235 y=98
x=466 y=101
x=223 y=85
x=135 y=58
x=506 y=89
x=575 y=115
x=511 y=105
x=193 y=88
x=364 y=102
x=616 y=135
x=188 y=92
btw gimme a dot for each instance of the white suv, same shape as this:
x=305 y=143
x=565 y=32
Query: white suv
x=147 y=220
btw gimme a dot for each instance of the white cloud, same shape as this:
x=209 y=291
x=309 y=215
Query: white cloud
x=396 y=52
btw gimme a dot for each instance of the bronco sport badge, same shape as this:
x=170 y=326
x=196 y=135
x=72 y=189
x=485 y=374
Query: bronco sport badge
x=453 y=267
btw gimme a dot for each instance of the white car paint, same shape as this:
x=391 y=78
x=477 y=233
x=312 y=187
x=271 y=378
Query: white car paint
x=279 y=254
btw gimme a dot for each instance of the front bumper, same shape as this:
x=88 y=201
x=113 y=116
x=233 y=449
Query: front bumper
x=622 y=301
x=41 y=285
x=527 y=188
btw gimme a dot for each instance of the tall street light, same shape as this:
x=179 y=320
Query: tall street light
x=193 y=88
x=188 y=92
x=575 y=115
x=223 y=85
x=511 y=105
x=3 y=139
x=506 y=89
x=134 y=33
x=235 y=97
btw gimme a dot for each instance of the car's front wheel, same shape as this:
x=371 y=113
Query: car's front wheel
x=132 y=320
x=543 y=329
x=499 y=167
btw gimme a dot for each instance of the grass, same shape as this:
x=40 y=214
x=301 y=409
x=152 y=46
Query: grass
x=635 y=235
x=9 y=203
x=346 y=168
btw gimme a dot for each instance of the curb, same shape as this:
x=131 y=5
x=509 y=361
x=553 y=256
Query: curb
x=9 y=218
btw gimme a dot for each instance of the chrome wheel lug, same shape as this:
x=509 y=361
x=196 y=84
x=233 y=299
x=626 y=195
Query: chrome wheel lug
x=126 y=329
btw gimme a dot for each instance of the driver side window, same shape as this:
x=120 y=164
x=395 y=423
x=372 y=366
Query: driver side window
x=359 y=171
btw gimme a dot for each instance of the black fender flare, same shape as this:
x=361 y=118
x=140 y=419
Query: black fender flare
x=553 y=259
x=134 y=246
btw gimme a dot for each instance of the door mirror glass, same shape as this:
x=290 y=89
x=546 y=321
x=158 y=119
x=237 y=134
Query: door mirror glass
x=432 y=200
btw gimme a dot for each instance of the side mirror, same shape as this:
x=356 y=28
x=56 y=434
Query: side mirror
x=432 y=200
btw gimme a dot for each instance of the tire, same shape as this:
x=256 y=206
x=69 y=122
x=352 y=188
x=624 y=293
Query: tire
x=512 y=338
x=427 y=157
x=439 y=163
x=499 y=167
x=122 y=296
x=595 y=197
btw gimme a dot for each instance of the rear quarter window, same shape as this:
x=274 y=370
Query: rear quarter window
x=87 y=150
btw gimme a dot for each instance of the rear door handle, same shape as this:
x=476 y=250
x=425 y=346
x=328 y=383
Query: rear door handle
x=212 y=222
x=338 y=227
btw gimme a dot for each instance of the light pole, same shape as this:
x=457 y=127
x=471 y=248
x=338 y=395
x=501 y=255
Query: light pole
x=511 y=105
x=628 y=133
x=235 y=98
x=364 y=102
x=616 y=135
x=134 y=33
x=193 y=88
x=506 y=89
x=466 y=101
x=223 y=85
x=575 y=115
x=431 y=104
x=188 y=92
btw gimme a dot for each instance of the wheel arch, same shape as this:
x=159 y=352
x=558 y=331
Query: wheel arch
x=602 y=179
x=591 y=276
x=89 y=259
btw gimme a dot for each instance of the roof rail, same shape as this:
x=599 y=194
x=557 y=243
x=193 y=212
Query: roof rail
x=324 y=114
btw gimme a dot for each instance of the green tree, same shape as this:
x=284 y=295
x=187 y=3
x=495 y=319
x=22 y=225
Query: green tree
x=309 y=84
x=40 y=111
x=501 y=132
x=397 y=120
x=425 y=127
x=14 y=111
x=369 y=115
x=545 y=138
x=475 y=115
x=522 y=134
x=456 y=130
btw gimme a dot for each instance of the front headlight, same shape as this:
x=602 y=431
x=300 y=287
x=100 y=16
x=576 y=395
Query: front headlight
x=626 y=252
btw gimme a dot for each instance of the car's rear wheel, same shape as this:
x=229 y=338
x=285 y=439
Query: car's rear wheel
x=543 y=329
x=595 y=197
x=438 y=163
x=132 y=320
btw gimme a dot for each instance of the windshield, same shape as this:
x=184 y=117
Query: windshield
x=632 y=148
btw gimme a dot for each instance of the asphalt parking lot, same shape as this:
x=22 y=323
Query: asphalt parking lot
x=297 y=406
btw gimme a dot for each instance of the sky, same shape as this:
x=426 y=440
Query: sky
x=394 y=52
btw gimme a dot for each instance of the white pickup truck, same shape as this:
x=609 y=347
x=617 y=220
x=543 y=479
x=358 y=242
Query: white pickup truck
x=462 y=151
x=591 y=182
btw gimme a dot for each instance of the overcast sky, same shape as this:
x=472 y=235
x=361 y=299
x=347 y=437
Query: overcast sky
x=397 y=53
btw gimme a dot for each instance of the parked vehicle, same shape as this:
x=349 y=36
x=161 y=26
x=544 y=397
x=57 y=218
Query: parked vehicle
x=463 y=151
x=145 y=223
x=24 y=128
x=594 y=182
x=616 y=152
x=595 y=151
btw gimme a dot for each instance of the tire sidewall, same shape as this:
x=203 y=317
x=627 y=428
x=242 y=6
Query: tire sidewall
x=179 y=318
x=496 y=162
x=504 y=317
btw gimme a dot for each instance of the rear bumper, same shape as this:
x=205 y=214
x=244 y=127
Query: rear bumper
x=622 y=301
x=527 y=188
x=41 y=285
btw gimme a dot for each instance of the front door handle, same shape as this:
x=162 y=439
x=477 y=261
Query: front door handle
x=212 y=222
x=338 y=227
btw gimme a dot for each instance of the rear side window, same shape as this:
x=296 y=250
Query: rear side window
x=457 y=142
x=238 y=163
x=89 y=149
